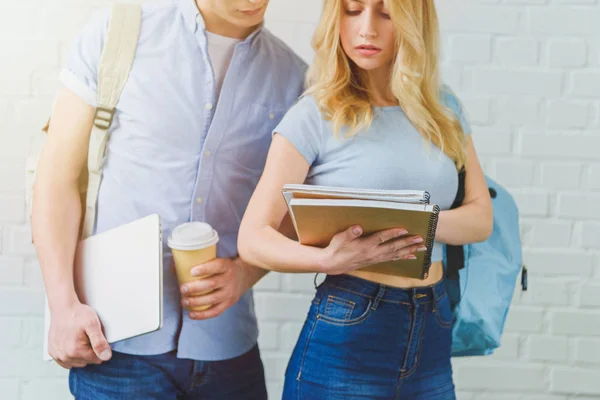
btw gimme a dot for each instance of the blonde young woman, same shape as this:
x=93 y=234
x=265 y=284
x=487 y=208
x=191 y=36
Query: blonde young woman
x=375 y=116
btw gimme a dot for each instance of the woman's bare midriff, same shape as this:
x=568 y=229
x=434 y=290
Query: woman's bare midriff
x=436 y=272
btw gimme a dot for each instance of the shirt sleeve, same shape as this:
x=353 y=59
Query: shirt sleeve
x=80 y=72
x=302 y=126
x=450 y=100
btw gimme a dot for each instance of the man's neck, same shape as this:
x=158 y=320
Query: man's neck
x=217 y=25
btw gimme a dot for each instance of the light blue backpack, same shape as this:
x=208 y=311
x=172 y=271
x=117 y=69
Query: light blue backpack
x=481 y=277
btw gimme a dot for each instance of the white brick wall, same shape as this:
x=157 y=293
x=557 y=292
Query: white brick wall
x=529 y=74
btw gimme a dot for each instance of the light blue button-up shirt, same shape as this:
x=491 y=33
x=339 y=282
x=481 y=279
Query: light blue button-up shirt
x=177 y=151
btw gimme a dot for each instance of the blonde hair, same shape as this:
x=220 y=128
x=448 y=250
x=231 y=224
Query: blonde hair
x=336 y=84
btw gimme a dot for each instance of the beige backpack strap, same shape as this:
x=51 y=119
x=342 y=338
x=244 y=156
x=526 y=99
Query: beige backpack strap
x=113 y=72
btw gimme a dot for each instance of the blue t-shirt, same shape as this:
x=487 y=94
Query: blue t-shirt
x=390 y=155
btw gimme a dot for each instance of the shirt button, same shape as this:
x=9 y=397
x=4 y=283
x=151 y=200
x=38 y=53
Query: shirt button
x=207 y=153
x=271 y=116
x=209 y=106
x=199 y=200
x=198 y=19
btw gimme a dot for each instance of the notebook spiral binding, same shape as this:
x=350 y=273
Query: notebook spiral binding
x=426 y=198
x=430 y=239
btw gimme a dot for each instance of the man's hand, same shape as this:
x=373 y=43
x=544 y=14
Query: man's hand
x=76 y=338
x=228 y=281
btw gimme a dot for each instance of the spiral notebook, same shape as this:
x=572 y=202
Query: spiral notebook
x=317 y=219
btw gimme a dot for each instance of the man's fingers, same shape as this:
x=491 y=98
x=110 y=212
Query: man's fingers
x=212 y=312
x=210 y=268
x=98 y=342
x=211 y=298
x=204 y=285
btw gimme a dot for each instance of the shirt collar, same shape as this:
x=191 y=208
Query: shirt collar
x=193 y=20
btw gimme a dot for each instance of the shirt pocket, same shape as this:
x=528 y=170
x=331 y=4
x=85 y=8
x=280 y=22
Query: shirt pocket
x=249 y=139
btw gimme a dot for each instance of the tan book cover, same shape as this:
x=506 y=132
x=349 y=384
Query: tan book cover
x=317 y=220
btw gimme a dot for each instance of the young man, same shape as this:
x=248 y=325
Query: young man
x=189 y=141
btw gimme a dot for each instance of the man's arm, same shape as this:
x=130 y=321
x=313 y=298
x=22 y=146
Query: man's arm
x=55 y=226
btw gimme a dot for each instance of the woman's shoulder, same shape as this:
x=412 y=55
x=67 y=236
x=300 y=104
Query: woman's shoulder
x=449 y=98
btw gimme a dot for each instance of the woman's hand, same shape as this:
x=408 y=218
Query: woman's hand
x=348 y=251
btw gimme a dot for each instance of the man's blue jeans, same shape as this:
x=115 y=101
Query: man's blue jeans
x=166 y=377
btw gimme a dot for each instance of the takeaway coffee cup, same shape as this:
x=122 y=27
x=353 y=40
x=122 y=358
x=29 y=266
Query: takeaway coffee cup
x=192 y=244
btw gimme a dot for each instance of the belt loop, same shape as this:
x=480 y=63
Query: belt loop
x=380 y=294
x=315 y=280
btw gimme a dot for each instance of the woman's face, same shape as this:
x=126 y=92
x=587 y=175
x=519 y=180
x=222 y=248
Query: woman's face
x=368 y=34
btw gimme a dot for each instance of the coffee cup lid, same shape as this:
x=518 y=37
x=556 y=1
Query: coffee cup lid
x=193 y=236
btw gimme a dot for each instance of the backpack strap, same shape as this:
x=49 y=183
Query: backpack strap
x=113 y=72
x=455 y=255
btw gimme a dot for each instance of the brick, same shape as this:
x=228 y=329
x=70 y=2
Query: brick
x=561 y=175
x=12 y=175
x=29 y=53
x=269 y=282
x=32 y=332
x=531 y=203
x=522 y=319
x=17 y=240
x=275 y=390
x=9 y=388
x=509 y=348
x=517 y=52
x=546 y=233
x=275 y=365
x=19 y=22
x=548 y=348
x=45 y=83
x=471 y=48
x=584 y=83
x=579 y=206
x=518 y=82
x=575 y=380
x=302 y=283
x=473 y=18
x=10 y=332
x=587 y=351
x=492 y=141
x=478 y=109
x=555 y=147
x=28 y=363
x=487 y=377
x=65 y=23
x=594 y=177
x=590 y=295
x=45 y=389
x=308 y=11
x=11 y=270
x=567 y=53
x=290 y=331
x=562 y=20
x=12 y=208
x=576 y=322
x=568 y=114
x=268 y=338
x=591 y=235
x=521 y=110
x=33 y=275
x=21 y=302
x=546 y=292
x=514 y=173
x=281 y=307
x=568 y=263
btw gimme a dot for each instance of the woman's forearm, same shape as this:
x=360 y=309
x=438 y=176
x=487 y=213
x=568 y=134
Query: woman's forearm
x=469 y=223
x=269 y=249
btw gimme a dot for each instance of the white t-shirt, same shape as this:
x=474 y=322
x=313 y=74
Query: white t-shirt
x=220 y=52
